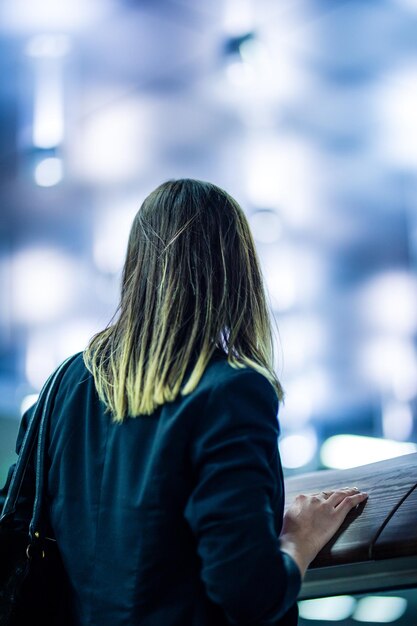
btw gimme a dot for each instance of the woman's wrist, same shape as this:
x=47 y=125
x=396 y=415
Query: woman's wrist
x=291 y=547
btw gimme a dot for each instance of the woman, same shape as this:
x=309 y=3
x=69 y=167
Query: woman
x=165 y=485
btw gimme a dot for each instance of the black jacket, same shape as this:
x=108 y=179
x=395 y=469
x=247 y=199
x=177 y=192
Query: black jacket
x=173 y=518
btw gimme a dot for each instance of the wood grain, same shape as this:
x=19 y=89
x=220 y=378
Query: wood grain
x=399 y=536
x=386 y=482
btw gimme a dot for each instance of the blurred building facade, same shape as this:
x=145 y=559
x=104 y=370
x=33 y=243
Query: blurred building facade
x=306 y=112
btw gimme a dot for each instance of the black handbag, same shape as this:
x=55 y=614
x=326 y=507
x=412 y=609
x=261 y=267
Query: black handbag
x=33 y=585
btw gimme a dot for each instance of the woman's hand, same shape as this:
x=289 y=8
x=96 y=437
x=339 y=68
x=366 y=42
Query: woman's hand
x=312 y=520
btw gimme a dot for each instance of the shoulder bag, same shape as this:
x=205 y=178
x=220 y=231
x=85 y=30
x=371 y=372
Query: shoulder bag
x=33 y=584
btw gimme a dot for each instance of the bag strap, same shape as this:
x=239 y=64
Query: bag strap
x=37 y=424
x=41 y=448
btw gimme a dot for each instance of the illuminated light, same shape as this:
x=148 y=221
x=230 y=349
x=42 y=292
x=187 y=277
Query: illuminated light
x=298 y=406
x=304 y=394
x=297 y=409
x=279 y=273
x=260 y=82
x=281 y=285
x=404 y=383
x=389 y=302
x=298 y=449
x=111 y=235
x=267 y=170
x=111 y=147
x=41 y=15
x=279 y=268
x=43 y=284
x=238 y=17
x=251 y=69
x=395 y=107
x=397 y=420
x=292 y=275
x=266 y=226
x=48 y=46
x=28 y=401
x=280 y=172
x=48 y=115
x=347 y=451
x=48 y=347
x=327 y=609
x=239 y=74
x=41 y=359
x=48 y=172
x=380 y=609
x=73 y=337
x=303 y=340
x=391 y=364
x=281 y=38
x=253 y=51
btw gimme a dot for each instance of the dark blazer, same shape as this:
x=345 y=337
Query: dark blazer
x=173 y=518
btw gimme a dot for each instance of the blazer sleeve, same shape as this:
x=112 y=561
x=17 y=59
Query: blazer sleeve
x=236 y=499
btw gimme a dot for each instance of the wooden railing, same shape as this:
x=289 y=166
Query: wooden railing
x=376 y=546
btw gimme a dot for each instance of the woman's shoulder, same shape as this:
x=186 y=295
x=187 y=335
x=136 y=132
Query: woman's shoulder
x=235 y=397
x=222 y=375
x=75 y=374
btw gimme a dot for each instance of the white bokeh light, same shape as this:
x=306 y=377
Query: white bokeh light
x=238 y=17
x=111 y=233
x=112 y=145
x=281 y=282
x=336 y=608
x=48 y=46
x=293 y=275
x=303 y=339
x=73 y=336
x=41 y=359
x=389 y=302
x=298 y=449
x=395 y=110
x=48 y=172
x=346 y=451
x=390 y=363
x=43 y=284
x=48 y=347
x=266 y=226
x=281 y=172
x=28 y=401
x=304 y=394
x=48 y=113
x=41 y=15
x=380 y=609
x=397 y=420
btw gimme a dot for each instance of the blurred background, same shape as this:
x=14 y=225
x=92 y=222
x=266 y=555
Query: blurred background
x=306 y=112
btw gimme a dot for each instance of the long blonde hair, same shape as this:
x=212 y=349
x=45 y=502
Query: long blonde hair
x=191 y=285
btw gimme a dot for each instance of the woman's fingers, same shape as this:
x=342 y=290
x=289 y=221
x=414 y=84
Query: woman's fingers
x=349 y=502
x=339 y=495
x=335 y=497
